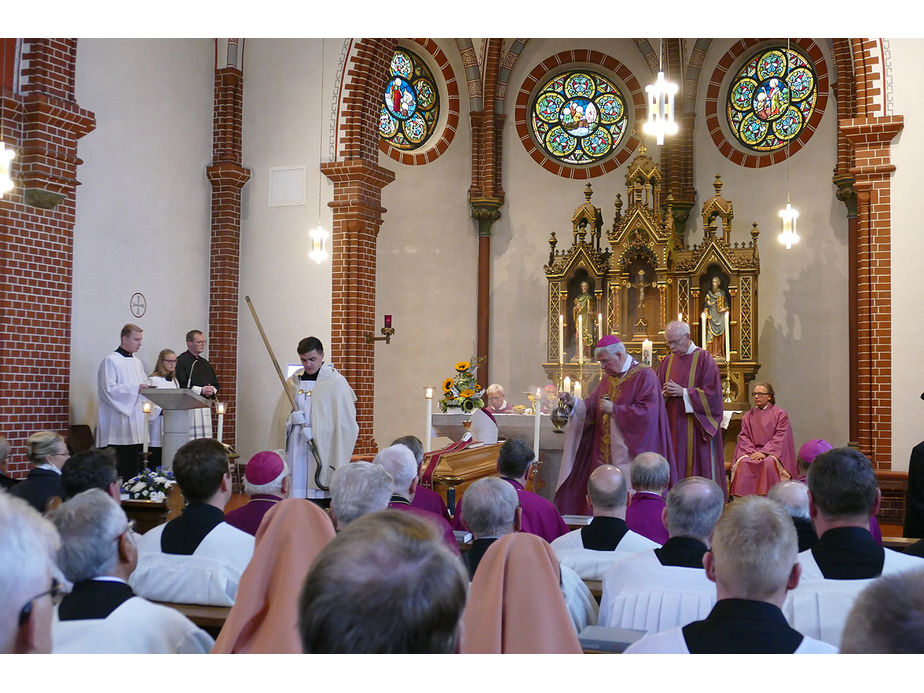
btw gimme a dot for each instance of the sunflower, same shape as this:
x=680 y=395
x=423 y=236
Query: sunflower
x=447 y=386
x=463 y=366
x=465 y=394
x=468 y=406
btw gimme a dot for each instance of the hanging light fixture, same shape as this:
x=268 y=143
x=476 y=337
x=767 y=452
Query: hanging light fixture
x=319 y=235
x=6 y=155
x=660 y=103
x=788 y=216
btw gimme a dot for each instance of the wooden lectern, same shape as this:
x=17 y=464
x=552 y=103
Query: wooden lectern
x=176 y=404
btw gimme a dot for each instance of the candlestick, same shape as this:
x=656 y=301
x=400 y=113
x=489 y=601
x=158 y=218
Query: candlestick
x=703 y=318
x=146 y=408
x=561 y=339
x=221 y=419
x=536 y=429
x=578 y=390
x=566 y=386
x=647 y=352
x=727 y=340
x=580 y=338
x=599 y=326
x=428 y=394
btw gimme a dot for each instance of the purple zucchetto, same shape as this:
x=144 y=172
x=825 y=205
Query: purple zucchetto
x=812 y=449
x=263 y=468
x=608 y=340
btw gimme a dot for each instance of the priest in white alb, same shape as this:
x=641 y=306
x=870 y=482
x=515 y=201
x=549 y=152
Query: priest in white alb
x=120 y=380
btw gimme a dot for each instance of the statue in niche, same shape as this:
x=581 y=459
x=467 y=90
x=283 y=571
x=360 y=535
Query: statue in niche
x=716 y=308
x=585 y=307
x=644 y=309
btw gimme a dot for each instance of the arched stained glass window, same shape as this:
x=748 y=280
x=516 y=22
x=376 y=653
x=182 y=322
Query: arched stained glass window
x=579 y=117
x=771 y=99
x=411 y=106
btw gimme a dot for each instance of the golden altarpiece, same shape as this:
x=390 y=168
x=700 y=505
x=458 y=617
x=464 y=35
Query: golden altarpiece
x=648 y=276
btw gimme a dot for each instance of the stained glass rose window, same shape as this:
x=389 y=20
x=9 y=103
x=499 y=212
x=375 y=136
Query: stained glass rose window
x=411 y=106
x=771 y=99
x=579 y=117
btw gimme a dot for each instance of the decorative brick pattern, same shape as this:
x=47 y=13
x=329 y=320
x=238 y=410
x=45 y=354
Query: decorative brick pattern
x=432 y=152
x=714 y=106
x=634 y=95
x=227 y=176
x=42 y=123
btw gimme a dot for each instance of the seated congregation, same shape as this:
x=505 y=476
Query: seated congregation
x=381 y=570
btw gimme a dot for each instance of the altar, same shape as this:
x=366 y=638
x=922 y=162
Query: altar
x=522 y=426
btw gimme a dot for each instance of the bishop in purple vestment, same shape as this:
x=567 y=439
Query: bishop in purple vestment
x=692 y=389
x=765 y=453
x=623 y=417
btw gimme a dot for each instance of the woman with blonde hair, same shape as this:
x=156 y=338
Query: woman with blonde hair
x=47 y=451
x=163 y=375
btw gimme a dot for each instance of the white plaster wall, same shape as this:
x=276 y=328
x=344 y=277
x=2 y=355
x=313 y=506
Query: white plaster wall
x=142 y=220
x=427 y=274
x=802 y=300
x=907 y=251
x=282 y=117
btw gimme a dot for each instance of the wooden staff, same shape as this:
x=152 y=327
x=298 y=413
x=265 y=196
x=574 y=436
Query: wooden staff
x=285 y=386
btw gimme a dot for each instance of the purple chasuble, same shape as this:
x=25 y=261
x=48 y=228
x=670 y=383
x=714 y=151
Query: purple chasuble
x=442 y=524
x=643 y=516
x=247 y=518
x=429 y=500
x=696 y=437
x=638 y=424
x=768 y=431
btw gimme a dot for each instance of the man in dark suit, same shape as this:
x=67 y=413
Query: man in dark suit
x=193 y=371
x=492 y=510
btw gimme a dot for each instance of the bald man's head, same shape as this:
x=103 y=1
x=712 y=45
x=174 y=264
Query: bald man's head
x=606 y=488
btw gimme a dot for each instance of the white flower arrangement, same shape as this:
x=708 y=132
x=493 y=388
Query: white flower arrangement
x=150 y=485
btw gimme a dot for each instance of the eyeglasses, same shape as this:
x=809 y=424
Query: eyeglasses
x=761 y=394
x=56 y=593
x=169 y=360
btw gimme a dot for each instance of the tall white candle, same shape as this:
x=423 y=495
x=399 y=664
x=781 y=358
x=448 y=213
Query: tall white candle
x=428 y=394
x=580 y=338
x=221 y=419
x=536 y=428
x=702 y=323
x=146 y=408
x=727 y=339
x=679 y=317
x=599 y=325
x=647 y=352
x=561 y=339
x=577 y=388
x=566 y=385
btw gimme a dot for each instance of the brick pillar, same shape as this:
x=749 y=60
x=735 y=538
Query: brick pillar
x=357 y=216
x=42 y=123
x=871 y=138
x=227 y=176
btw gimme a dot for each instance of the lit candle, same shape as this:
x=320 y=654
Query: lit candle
x=536 y=429
x=561 y=339
x=703 y=318
x=646 y=352
x=577 y=389
x=146 y=408
x=566 y=386
x=428 y=394
x=580 y=338
x=599 y=325
x=221 y=418
x=679 y=317
x=727 y=340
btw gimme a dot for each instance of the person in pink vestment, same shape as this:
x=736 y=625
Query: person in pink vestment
x=692 y=389
x=623 y=417
x=765 y=453
x=651 y=474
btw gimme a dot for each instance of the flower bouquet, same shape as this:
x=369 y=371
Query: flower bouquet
x=462 y=390
x=150 y=485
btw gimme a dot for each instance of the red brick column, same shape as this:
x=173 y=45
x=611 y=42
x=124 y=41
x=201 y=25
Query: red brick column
x=42 y=123
x=357 y=211
x=872 y=171
x=227 y=176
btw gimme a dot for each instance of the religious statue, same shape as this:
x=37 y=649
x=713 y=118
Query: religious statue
x=584 y=306
x=715 y=319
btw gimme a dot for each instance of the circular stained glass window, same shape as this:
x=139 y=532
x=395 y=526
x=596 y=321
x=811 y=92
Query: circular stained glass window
x=579 y=117
x=411 y=106
x=771 y=99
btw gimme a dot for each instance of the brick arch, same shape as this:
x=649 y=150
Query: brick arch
x=435 y=149
x=566 y=58
x=724 y=143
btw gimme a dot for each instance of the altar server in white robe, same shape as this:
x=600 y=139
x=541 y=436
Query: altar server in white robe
x=325 y=418
x=120 y=380
x=101 y=614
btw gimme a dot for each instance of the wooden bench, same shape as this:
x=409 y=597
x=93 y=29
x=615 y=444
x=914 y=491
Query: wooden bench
x=211 y=619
